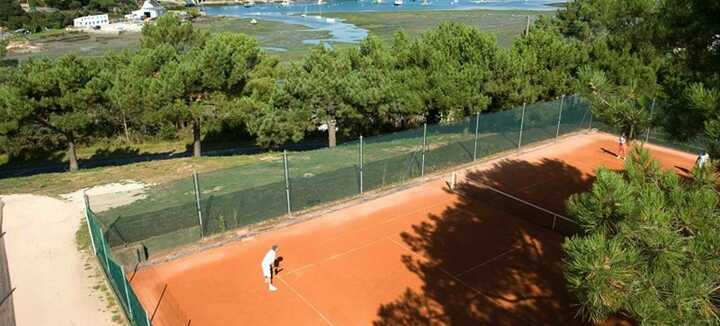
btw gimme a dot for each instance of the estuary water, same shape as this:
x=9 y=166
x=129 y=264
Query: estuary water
x=312 y=14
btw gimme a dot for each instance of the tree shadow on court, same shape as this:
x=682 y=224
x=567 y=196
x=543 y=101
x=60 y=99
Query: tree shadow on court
x=486 y=260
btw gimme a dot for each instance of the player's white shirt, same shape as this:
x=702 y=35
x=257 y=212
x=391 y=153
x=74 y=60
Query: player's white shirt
x=269 y=259
x=703 y=159
x=621 y=140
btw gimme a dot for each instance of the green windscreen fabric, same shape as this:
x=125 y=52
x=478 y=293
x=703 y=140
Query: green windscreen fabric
x=391 y=158
x=164 y=210
x=167 y=215
x=449 y=144
x=139 y=316
x=115 y=274
x=243 y=195
x=575 y=116
x=498 y=131
x=322 y=176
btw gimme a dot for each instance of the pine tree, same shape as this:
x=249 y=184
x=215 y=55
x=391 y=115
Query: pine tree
x=649 y=247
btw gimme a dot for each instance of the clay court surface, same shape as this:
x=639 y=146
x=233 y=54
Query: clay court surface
x=420 y=256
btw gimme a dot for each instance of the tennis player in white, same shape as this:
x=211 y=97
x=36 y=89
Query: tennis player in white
x=703 y=158
x=268 y=267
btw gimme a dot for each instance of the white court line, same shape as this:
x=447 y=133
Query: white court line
x=304 y=267
x=446 y=272
x=487 y=262
x=306 y=302
x=364 y=245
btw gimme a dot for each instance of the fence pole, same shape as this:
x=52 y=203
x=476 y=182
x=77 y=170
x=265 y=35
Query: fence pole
x=652 y=111
x=361 y=165
x=86 y=203
x=197 y=203
x=522 y=122
x=477 y=126
x=127 y=293
x=287 y=182
x=105 y=253
x=557 y=132
x=424 y=143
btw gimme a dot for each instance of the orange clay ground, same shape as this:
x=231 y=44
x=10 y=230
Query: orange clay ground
x=421 y=256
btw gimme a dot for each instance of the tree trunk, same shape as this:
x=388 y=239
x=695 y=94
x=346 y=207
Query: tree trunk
x=331 y=133
x=72 y=156
x=196 y=138
x=125 y=127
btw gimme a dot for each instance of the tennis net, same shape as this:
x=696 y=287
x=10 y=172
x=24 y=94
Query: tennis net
x=525 y=209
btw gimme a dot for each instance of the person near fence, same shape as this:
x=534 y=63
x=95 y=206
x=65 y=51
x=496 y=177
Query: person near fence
x=268 y=267
x=621 y=146
x=702 y=159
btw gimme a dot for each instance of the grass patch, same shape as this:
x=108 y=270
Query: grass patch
x=156 y=172
x=505 y=25
x=100 y=287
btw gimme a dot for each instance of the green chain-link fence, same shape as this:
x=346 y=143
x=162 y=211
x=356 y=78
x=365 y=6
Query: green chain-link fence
x=115 y=273
x=174 y=214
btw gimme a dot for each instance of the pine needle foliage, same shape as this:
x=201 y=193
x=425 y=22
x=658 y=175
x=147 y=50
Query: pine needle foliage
x=649 y=248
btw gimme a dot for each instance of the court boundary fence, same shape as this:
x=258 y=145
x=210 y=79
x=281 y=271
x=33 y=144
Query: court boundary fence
x=212 y=203
x=114 y=271
x=7 y=312
x=295 y=181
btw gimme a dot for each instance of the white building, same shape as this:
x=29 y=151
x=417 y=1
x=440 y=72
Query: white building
x=150 y=9
x=91 y=21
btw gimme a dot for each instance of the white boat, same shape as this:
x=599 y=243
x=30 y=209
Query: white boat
x=330 y=20
x=398 y=2
x=304 y=14
x=249 y=4
x=286 y=3
x=321 y=2
x=253 y=21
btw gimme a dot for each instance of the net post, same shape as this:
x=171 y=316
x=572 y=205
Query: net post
x=86 y=205
x=361 y=164
x=287 y=182
x=197 y=203
x=522 y=122
x=477 y=133
x=127 y=293
x=424 y=144
x=652 y=111
x=557 y=131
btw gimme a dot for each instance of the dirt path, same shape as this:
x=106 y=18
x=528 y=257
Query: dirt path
x=54 y=282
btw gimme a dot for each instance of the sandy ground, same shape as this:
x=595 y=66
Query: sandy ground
x=53 y=281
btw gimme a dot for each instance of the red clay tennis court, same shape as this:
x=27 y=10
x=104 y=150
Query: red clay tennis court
x=423 y=255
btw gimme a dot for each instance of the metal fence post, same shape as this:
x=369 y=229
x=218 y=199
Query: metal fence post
x=86 y=204
x=105 y=253
x=127 y=293
x=287 y=182
x=477 y=126
x=197 y=202
x=424 y=143
x=652 y=111
x=522 y=122
x=557 y=132
x=361 y=165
